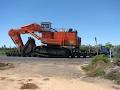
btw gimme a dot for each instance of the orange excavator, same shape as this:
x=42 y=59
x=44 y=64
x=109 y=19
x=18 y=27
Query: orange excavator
x=54 y=43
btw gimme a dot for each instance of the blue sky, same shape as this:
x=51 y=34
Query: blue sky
x=92 y=18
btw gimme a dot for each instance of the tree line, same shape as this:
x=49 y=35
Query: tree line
x=84 y=48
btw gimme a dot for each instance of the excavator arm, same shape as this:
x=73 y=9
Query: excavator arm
x=15 y=34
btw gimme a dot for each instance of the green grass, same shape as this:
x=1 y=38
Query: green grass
x=2 y=52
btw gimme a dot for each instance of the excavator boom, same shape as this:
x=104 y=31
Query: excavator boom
x=15 y=34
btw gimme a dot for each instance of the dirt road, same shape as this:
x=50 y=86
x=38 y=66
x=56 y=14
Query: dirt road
x=49 y=74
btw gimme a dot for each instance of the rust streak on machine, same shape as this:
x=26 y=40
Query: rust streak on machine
x=55 y=43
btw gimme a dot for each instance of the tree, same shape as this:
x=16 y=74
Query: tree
x=108 y=45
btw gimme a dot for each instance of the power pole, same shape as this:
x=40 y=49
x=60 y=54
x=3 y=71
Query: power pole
x=96 y=45
x=110 y=53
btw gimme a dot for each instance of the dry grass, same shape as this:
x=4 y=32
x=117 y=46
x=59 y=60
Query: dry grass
x=3 y=78
x=31 y=86
x=46 y=79
x=4 y=66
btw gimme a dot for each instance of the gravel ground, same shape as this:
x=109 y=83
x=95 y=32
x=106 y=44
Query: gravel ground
x=63 y=67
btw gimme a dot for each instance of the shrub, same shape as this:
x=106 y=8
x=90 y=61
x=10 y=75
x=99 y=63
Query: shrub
x=101 y=66
x=97 y=66
x=116 y=61
x=114 y=74
x=100 y=58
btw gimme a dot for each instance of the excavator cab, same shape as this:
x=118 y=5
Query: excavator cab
x=46 y=26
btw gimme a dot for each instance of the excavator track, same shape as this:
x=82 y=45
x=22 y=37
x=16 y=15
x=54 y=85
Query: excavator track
x=48 y=51
x=43 y=52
